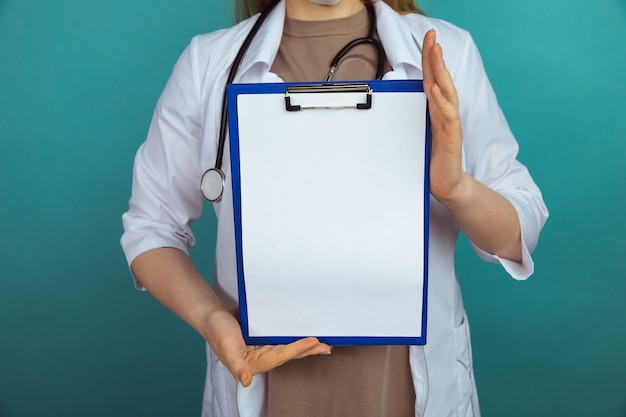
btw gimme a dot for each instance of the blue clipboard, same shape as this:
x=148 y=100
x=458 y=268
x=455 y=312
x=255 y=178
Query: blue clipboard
x=331 y=203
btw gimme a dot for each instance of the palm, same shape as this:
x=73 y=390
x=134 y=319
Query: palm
x=264 y=358
x=245 y=361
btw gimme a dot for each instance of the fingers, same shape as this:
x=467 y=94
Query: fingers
x=442 y=92
x=442 y=76
x=264 y=358
x=315 y=348
x=438 y=84
x=429 y=41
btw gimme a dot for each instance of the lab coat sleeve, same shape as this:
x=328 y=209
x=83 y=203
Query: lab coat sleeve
x=490 y=155
x=164 y=203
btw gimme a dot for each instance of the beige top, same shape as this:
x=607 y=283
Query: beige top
x=354 y=381
x=308 y=47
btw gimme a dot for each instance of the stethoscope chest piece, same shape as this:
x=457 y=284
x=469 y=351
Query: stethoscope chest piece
x=212 y=184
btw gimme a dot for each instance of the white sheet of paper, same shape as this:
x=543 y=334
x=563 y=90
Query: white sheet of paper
x=332 y=216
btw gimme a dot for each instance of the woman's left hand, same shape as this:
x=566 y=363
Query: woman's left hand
x=488 y=219
x=447 y=179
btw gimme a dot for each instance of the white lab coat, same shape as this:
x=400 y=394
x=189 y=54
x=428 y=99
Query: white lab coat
x=182 y=144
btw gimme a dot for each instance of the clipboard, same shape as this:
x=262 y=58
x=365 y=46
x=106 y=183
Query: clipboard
x=331 y=202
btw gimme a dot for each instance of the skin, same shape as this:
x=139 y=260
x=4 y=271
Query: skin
x=307 y=10
x=487 y=218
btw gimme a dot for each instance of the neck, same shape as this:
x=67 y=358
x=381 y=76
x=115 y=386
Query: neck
x=307 y=10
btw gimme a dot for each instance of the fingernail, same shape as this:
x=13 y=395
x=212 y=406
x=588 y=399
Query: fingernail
x=438 y=45
x=243 y=379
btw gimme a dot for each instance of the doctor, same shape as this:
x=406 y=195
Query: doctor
x=477 y=186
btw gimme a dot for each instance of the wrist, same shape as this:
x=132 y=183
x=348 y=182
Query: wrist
x=459 y=195
x=218 y=317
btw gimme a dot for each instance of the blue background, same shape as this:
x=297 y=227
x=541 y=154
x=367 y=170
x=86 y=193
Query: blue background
x=78 y=82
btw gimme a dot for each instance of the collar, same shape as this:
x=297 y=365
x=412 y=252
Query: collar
x=401 y=36
x=401 y=41
x=264 y=46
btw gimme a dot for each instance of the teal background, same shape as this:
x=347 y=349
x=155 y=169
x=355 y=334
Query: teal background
x=78 y=82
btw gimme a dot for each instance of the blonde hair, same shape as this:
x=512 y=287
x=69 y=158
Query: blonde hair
x=247 y=8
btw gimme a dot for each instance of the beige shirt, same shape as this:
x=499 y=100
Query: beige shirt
x=308 y=47
x=354 y=381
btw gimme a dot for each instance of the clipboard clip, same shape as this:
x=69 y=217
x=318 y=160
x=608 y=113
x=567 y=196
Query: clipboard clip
x=329 y=88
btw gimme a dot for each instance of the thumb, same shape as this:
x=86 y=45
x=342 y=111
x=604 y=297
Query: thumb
x=245 y=375
x=239 y=368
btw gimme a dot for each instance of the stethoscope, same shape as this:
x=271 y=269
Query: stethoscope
x=213 y=180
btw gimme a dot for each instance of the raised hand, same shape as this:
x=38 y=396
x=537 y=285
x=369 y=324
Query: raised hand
x=447 y=178
x=488 y=219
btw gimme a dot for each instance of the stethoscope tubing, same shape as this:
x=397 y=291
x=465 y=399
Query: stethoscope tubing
x=231 y=76
x=380 y=67
x=215 y=176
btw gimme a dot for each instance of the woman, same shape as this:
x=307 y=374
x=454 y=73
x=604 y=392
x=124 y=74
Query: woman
x=476 y=186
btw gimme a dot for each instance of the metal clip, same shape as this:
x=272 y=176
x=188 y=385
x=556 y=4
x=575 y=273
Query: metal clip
x=329 y=88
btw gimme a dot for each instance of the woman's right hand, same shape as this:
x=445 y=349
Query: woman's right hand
x=225 y=337
x=170 y=276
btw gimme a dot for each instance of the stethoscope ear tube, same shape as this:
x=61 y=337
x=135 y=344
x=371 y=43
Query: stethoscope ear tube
x=211 y=175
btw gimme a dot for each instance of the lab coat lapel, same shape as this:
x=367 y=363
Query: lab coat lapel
x=258 y=60
x=402 y=41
